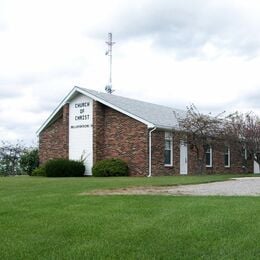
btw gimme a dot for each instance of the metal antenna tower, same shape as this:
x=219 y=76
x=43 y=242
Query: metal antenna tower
x=110 y=43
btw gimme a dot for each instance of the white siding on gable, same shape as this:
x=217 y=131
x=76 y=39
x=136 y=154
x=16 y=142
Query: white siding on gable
x=81 y=130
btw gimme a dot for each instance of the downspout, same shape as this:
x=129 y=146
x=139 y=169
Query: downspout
x=150 y=152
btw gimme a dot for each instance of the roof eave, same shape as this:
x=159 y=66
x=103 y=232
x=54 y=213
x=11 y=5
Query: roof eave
x=56 y=110
x=85 y=92
x=167 y=128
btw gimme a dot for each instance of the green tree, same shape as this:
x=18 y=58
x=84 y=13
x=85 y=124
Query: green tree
x=9 y=158
x=29 y=160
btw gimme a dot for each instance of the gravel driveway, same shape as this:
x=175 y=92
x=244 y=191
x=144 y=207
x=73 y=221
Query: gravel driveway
x=235 y=187
x=248 y=186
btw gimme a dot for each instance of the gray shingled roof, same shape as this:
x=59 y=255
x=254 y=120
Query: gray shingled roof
x=160 y=116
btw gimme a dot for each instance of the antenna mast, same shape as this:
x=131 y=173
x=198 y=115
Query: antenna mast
x=110 y=43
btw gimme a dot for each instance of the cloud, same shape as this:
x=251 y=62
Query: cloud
x=42 y=59
x=2 y=16
x=253 y=99
x=187 y=26
x=2 y=26
x=250 y=100
x=15 y=85
x=19 y=118
x=7 y=92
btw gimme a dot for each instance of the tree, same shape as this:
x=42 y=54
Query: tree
x=244 y=131
x=29 y=160
x=9 y=158
x=201 y=131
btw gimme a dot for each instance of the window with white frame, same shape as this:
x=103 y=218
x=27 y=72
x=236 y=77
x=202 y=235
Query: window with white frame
x=168 y=149
x=209 y=156
x=244 y=152
x=244 y=156
x=227 y=156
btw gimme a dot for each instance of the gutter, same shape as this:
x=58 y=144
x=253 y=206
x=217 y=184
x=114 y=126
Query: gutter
x=150 y=152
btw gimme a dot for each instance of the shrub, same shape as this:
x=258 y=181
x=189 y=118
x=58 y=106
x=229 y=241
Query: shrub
x=64 y=168
x=110 y=167
x=40 y=171
x=29 y=161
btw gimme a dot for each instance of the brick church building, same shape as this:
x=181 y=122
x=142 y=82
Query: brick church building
x=95 y=126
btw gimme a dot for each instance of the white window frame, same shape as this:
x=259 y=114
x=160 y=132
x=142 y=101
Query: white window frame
x=168 y=137
x=245 y=154
x=228 y=154
x=210 y=152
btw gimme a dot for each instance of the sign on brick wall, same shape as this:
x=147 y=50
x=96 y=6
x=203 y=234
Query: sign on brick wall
x=81 y=130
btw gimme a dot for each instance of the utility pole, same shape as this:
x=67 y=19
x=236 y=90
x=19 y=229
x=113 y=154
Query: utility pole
x=110 y=43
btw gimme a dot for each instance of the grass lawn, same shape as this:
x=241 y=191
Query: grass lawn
x=47 y=218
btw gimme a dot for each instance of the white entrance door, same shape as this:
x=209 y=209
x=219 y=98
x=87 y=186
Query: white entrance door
x=256 y=167
x=183 y=158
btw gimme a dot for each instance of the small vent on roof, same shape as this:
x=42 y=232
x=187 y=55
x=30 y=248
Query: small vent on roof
x=109 y=89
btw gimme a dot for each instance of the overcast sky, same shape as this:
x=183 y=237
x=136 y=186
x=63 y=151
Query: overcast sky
x=170 y=52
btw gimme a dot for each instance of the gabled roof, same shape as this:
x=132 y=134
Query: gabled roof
x=152 y=115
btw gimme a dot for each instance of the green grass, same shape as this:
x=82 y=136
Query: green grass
x=47 y=218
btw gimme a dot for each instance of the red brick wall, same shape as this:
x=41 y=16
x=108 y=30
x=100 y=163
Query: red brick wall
x=158 y=168
x=54 y=140
x=236 y=161
x=119 y=136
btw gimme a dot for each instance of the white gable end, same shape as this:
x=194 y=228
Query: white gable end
x=81 y=130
